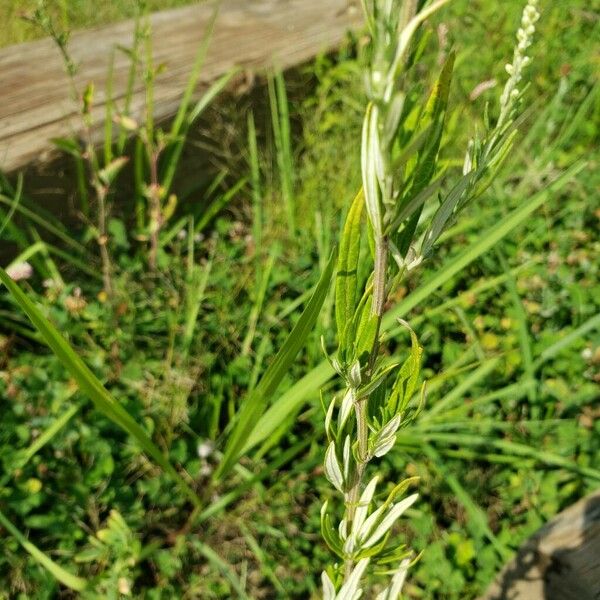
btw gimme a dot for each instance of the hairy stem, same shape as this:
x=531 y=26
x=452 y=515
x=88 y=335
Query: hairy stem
x=360 y=407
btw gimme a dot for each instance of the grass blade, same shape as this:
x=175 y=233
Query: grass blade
x=462 y=388
x=257 y=307
x=525 y=341
x=48 y=434
x=253 y=406
x=67 y=579
x=570 y=338
x=218 y=563
x=283 y=146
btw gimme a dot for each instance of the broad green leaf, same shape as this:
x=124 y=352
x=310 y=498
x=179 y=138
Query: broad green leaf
x=253 y=407
x=92 y=387
x=346 y=281
x=67 y=579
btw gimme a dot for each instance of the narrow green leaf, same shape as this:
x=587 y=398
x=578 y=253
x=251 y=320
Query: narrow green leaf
x=68 y=579
x=291 y=400
x=253 y=406
x=408 y=375
x=346 y=282
x=112 y=170
x=525 y=341
x=92 y=387
x=47 y=434
x=217 y=205
x=509 y=448
x=180 y=134
x=365 y=331
x=216 y=561
x=459 y=392
x=550 y=352
x=241 y=488
x=283 y=146
x=433 y=119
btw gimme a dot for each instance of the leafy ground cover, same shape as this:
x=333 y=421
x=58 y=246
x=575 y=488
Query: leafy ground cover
x=512 y=349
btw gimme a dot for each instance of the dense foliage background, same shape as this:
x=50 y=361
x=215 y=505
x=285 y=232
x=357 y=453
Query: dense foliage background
x=511 y=343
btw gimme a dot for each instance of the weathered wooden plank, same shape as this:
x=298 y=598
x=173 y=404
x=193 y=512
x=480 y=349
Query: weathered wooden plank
x=560 y=562
x=34 y=90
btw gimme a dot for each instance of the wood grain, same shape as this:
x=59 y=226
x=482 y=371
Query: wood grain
x=560 y=562
x=37 y=106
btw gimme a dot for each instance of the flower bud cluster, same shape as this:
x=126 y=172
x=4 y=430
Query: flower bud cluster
x=520 y=59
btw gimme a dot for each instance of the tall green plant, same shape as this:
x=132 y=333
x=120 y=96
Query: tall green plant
x=399 y=162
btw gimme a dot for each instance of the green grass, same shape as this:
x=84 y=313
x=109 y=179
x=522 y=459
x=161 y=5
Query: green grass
x=182 y=348
x=76 y=14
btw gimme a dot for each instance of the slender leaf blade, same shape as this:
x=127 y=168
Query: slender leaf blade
x=67 y=579
x=346 y=279
x=253 y=407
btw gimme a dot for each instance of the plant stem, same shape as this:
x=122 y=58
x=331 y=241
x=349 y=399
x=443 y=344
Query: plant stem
x=155 y=216
x=360 y=407
x=379 y=276
x=353 y=495
x=103 y=240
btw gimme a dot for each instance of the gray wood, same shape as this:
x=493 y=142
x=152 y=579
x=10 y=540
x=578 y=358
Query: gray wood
x=560 y=562
x=35 y=101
